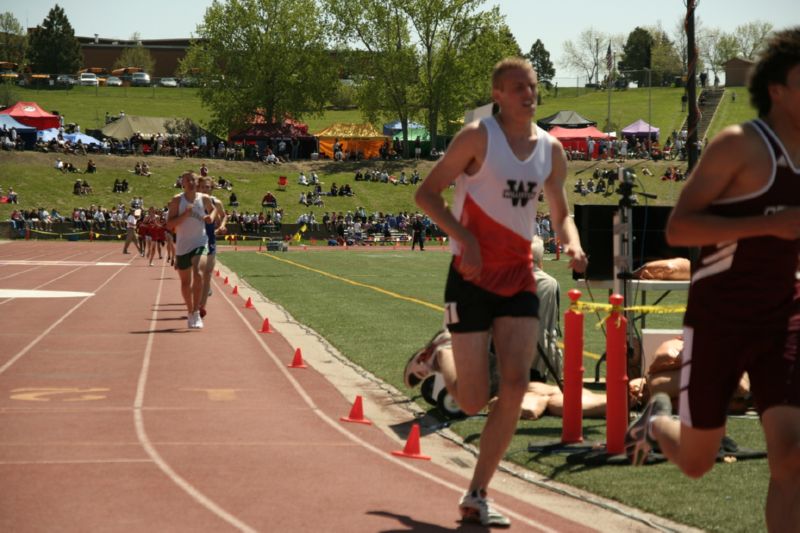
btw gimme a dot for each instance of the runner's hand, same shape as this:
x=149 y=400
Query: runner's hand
x=578 y=258
x=471 y=263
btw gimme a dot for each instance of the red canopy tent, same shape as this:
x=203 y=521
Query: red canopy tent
x=30 y=114
x=575 y=138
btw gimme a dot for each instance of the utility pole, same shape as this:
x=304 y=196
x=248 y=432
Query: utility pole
x=691 y=84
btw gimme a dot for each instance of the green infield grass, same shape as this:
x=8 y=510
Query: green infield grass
x=377 y=307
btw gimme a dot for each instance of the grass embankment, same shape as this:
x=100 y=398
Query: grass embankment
x=379 y=332
x=37 y=183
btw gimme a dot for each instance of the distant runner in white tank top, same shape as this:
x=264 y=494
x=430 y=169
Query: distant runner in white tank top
x=187 y=216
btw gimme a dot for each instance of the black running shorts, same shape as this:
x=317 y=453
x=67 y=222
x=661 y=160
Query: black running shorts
x=713 y=362
x=469 y=308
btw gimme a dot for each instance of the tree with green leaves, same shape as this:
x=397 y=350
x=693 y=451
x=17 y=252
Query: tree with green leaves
x=540 y=59
x=637 y=55
x=443 y=29
x=136 y=56
x=386 y=73
x=262 y=58
x=12 y=39
x=52 y=46
x=716 y=48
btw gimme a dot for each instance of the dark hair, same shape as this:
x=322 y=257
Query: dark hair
x=781 y=54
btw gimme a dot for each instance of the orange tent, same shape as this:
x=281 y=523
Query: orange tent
x=364 y=138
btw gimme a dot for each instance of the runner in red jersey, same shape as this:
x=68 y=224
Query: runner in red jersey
x=499 y=166
x=742 y=206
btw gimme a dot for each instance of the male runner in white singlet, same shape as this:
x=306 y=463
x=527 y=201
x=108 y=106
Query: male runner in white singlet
x=189 y=212
x=499 y=165
x=741 y=204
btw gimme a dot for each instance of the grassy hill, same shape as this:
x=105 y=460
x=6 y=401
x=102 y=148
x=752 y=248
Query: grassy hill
x=87 y=106
x=38 y=184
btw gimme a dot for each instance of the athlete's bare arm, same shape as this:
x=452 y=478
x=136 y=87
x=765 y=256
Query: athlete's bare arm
x=465 y=155
x=559 y=211
x=735 y=163
x=222 y=217
x=210 y=208
x=173 y=218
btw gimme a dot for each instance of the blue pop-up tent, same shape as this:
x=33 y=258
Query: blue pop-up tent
x=27 y=133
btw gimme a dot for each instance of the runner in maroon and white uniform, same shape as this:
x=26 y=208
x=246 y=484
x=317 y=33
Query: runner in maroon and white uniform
x=742 y=206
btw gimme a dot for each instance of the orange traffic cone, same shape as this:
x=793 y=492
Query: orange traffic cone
x=297 y=362
x=226 y=282
x=217 y=274
x=235 y=290
x=412 y=450
x=265 y=326
x=356 y=413
x=249 y=304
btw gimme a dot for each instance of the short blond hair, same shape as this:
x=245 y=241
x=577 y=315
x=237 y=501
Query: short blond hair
x=509 y=63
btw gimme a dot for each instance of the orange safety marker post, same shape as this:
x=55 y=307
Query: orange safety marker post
x=235 y=290
x=411 y=449
x=356 y=413
x=249 y=304
x=616 y=377
x=572 y=425
x=297 y=362
x=265 y=326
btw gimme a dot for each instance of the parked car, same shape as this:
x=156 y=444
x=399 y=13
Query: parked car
x=168 y=82
x=66 y=79
x=88 y=78
x=140 y=79
x=189 y=82
x=113 y=81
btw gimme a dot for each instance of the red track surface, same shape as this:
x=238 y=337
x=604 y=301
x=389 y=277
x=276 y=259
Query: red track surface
x=115 y=417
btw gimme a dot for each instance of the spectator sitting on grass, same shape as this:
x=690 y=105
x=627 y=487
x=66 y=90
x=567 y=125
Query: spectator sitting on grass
x=12 y=196
x=233 y=201
x=91 y=167
x=269 y=200
x=302 y=180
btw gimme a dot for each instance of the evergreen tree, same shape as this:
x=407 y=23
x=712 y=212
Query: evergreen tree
x=53 y=48
x=540 y=59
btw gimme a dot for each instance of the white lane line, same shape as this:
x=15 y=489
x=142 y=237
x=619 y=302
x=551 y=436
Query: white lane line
x=21 y=272
x=77 y=462
x=141 y=434
x=24 y=262
x=54 y=325
x=25 y=293
x=59 y=277
x=335 y=424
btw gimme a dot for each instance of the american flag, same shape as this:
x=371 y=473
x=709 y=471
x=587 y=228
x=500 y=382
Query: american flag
x=609 y=59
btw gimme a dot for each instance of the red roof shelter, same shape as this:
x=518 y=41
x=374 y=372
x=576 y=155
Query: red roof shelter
x=30 y=114
x=575 y=138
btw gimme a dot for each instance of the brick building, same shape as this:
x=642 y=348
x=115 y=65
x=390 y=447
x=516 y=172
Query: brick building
x=100 y=52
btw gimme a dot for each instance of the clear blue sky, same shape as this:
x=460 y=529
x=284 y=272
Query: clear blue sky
x=552 y=21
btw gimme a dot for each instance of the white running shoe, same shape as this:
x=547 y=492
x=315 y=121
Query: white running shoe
x=476 y=507
x=190 y=321
x=198 y=321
